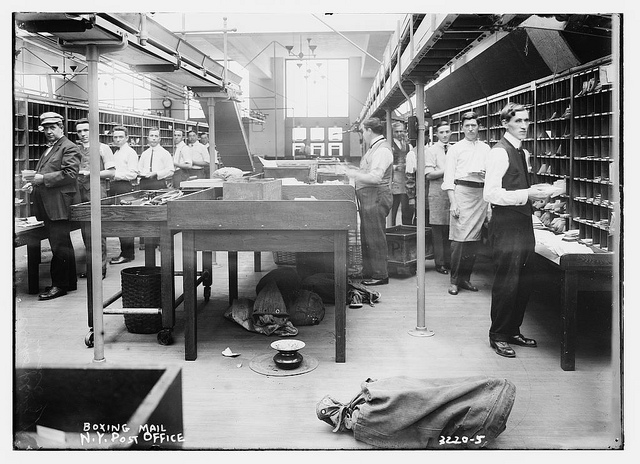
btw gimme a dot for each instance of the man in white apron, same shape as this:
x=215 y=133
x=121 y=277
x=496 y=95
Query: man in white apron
x=438 y=200
x=400 y=149
x=373 y=193
x=463 y=182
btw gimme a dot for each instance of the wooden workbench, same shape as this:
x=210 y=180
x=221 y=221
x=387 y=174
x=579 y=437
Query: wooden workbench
x=31 y=235
x=135 y=220
x=278 y=225
x=579 y=272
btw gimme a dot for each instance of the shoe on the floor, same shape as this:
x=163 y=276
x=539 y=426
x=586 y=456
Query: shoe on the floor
x=120 y=260
x=523 y=341
x=453 y=289
x=384 y=281
x=468 y=286
x=336 y=414
x=441 y=270
x=502 y=348
x=53 y=292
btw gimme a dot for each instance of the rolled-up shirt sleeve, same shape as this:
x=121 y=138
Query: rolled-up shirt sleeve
x=494 y=193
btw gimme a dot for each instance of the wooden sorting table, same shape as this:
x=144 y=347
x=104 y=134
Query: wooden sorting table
x=579 y=272
x=273 y=225
x=120 y=219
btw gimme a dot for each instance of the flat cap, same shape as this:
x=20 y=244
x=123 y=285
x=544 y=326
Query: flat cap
x=50 y=118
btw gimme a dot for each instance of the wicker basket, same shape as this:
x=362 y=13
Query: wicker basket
x=141 y=288
x=284 y=258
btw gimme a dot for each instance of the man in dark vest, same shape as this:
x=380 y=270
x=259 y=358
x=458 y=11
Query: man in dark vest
x=400 y=148
x=508 y=189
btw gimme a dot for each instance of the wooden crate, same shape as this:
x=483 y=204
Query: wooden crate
x=252 y=189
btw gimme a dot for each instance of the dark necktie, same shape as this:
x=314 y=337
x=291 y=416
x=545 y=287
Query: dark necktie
x=446 y=148
x=523 y=159
x=151 y=162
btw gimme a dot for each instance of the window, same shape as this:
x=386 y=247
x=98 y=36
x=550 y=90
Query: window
x=317 y=88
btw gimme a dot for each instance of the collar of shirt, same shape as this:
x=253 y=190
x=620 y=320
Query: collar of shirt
x=377 y=139
x=512 y=140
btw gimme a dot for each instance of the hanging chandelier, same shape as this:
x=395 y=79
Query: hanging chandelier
x=304 y=58
x=301 y=55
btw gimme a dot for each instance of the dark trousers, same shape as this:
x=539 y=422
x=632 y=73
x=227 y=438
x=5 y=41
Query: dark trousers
x=513 y=247
x=463 y=257
x=63 y=261
x=85 y=195
x=401 y=200
x=374 y=204
x=441 y=245
x=126 y=243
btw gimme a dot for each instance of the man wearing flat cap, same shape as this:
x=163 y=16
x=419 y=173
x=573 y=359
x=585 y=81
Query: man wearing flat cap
x=54 y=188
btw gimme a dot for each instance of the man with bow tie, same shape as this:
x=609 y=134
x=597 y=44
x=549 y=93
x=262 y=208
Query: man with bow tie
x=54 y=188
x=508 y=189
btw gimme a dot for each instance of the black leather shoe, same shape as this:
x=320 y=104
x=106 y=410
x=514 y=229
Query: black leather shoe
x=502 y=348
x=467 y=286
x=70 y=288
x=453 y=289
x=523 y=341
x=441 y=270
x=82 y=275
x=384 y=281
x=120 y=260
x=53 y=292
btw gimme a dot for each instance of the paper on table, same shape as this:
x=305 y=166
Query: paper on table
x=268 y=163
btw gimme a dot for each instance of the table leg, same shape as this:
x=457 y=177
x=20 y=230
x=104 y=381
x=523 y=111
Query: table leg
x=33 y=266
x=257 y=261
x=189 y=263
x=340 y=275
x=207 y=271
x=568 y=308
x=233 y=275
x=166 y=271
x=150 y=251
x=86 y=226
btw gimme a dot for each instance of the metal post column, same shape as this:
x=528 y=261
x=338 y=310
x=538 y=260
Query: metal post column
x=93 y=57
x=211 y=108
x=421 y=329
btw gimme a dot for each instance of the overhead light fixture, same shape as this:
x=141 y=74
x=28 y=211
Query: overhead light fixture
x=301 y=55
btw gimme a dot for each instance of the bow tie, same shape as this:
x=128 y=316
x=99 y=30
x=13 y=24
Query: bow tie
x=50 y=144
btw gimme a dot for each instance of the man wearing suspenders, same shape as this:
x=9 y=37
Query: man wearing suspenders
x=373 y=192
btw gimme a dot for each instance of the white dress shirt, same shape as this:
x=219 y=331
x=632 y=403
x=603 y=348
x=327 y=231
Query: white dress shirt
x=435 y=158
x=162 y=163
x=465 y=161
x=199 y=153
x=182 y=154
x=497 y=165
x=126 y=160
x=375 y=162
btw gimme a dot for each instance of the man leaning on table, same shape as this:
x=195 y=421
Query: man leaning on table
x=508 y=189
x=55 y=185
